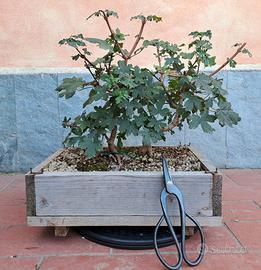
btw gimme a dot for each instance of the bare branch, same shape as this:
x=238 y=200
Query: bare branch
x=139 y=36
x=229 y=59
x=173 y=124
x=113 y=35
x=175 y=121
x=85 y=58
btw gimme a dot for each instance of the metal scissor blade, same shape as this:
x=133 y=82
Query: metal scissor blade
x=170 y=186
x=166 y=174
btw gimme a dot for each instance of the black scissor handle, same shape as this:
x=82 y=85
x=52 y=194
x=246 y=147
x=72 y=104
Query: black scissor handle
x=202 y=245
x=180 y=246
x=165 y=217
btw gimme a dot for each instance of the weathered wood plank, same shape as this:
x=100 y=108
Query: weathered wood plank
x=118 y=193
x=71 y=221
x=30 y=195
x=43 y=164
x=207 y=164
x=217 y=194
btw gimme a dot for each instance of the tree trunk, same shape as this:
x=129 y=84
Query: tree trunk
x=111 y=145
x=146 y=150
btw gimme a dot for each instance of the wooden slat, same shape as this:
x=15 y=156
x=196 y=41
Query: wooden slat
x=71 y=221
x=207 y=164
x=217 y=194
x=43 y=164
x=118 y=193
x=30 y=195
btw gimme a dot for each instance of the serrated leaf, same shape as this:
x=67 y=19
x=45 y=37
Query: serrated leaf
x=111 y=13
x=191 y=101
x=207 y=33
x=226 y=116
x=72 y=42
x=194 y=121
x=75 y=57
x=103 y=44
x=246 y=51
x=154 y=18
x=107 y=13
x=138 y=17
x=69 y=86
x=232 y=63
x=119 y=36
x=202 y=120
x=187 y=55
x=90 y=99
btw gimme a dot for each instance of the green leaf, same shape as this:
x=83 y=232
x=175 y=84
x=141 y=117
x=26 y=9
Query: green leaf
x=154 y=18
x=103 y=44
x=187 y=55
x=138 y=17
x=119 y=36
x=69 y=86
x=226 y=116
x=211 y=61
x=191 y=101
x=202 y=120
x=75 y=57
x=107 y=12
x=111 y=13
x=232 y=63
x=72 y=42
x=196 y=34
x=194 y=121
x=246 y=51
x=90 y=99
x=206 y=127
x=91 y=143
x=237 y=44
x=71 y=141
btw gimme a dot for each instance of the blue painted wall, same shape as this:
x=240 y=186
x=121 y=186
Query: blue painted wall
x=31 y=116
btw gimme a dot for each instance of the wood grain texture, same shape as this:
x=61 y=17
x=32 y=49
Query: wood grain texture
x=118 y=193
x=43 y=164
x=206 y=164
x=118 y=198
x=30 y=195
x=71 y=221
x=217 y=194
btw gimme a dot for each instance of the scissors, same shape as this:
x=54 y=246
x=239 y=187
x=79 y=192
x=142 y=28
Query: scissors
x=171 y=189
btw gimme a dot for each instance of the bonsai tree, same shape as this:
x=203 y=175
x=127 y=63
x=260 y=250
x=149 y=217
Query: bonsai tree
x=133 y=100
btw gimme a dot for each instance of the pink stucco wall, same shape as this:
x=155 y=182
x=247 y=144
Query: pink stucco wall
x=31 y=29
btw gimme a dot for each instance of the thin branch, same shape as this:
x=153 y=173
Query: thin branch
x=158 y=56
x=229 y=59
x=113 y=34
x=89 y=69
x=111 y=58
x=173 y=124
x=85 y=58
x=198 y=62
x=137 y=39
x=138 y=51
x=159 y=61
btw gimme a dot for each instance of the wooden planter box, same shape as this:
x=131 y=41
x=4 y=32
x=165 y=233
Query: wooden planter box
x=65 y=199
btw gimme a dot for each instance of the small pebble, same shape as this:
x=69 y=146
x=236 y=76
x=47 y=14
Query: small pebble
x=73 y=159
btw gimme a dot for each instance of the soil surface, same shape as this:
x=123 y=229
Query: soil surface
x=179 y=158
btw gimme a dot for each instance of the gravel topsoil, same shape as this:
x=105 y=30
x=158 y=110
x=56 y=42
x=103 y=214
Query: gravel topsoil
x=179 y=158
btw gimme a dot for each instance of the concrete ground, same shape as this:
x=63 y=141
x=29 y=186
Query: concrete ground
x=235 y=245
